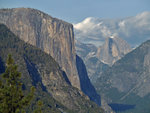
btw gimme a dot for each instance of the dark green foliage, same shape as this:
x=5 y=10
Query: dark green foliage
x=20 y=51
x=39 y=109
x=132 y=70
x=34 y=64
x=12 y=99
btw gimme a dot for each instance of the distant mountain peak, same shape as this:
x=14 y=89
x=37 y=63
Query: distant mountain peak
x=129 y=79
x=113 y=49
x=131 y=29
x=53 y=36
x=42 y=71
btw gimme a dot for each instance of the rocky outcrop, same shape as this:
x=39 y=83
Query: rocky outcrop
x=52 y=35
x=93 y=64
x=128 y=79
x=98 y=59
x=42 y=71
x=112 y=50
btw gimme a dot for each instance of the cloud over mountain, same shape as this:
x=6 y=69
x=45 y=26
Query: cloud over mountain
x=134 y=30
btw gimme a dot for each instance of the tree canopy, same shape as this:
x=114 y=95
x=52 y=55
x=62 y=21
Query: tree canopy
x=12 y=99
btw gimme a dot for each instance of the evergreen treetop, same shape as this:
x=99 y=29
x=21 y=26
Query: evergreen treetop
x=12 y=99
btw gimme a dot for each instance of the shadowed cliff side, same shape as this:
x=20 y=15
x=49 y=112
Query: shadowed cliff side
x=85 y=83
x=128 y=80
x=52 y=35
x=41 y=70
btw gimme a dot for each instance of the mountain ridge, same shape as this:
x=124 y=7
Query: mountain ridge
x=41 y=70
x=128 y=79
x=98 y=59
x=51 y=35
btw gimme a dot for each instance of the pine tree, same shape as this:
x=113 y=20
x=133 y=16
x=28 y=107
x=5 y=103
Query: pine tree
x=12 y=99
x=39 y=105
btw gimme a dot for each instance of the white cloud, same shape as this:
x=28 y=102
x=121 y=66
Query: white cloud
x=122 y=24
x=86 y=24
x=134 y=30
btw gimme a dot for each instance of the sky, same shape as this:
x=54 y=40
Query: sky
x=75 y=11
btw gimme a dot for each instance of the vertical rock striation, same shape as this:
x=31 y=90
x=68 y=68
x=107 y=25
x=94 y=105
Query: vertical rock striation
x=41 y=70
x=52 y=35
x=112 y=50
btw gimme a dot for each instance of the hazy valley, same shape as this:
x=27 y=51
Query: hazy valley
x=95 y=66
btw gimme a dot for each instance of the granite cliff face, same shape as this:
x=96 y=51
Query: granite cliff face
x=98 y=59
x=131 y=73
x=93 y=65
x=85 y=82
x=112 y=50
x=128 y=79
x=52 y=35
x=42 y=71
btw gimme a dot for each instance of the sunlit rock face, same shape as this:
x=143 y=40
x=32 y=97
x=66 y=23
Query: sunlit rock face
x=112 y=50
x=52 y=35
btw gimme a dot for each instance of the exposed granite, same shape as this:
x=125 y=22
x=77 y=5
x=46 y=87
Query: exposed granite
x=112 y=50
x=127 y=81
x=52 y=35
x=42 y=71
